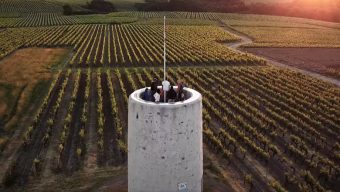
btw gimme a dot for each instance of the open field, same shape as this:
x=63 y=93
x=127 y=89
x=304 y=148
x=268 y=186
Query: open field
x=266 y=128
x=291 y=37
x=23 y=70
x=20 y=74
x=323 y=61
x=317 y=62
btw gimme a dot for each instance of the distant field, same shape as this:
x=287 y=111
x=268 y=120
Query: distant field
x=273 y=31
x=291 y=37
x=320 y=60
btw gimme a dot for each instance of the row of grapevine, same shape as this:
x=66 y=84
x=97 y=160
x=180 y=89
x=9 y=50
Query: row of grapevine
x=44 y=19
x=37 y=137
x=134 y=45
x=22 y=8
x=249 y=121
x=122 y=146
x=313 y=153
x=66 y=135
x=101 y=119
x=173 y=15
x=28 y=133
x=262 y=130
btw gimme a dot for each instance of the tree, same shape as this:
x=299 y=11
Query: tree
x=101 y=6
x=67 y=9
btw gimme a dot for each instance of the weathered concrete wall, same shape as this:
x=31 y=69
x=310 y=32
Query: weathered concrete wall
x=165 y=145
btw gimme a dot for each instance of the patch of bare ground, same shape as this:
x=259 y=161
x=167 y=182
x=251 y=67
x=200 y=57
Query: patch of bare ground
x=245 y=39
x=325 y=61
x=9 y=154
x=101 y=180
x=20 y=170
x=218 y=176
x=21 y=71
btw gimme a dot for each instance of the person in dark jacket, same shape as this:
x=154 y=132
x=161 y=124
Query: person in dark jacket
x=154 y=85
x=144 y=94
x=179 y=91
x=147 y=95
x=171 y=95
x=161 y=95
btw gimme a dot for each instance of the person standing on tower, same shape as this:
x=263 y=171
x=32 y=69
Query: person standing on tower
x=165 y=89
x=154 y=85
x=172 y=94
x=157 y=95
x=180 y=93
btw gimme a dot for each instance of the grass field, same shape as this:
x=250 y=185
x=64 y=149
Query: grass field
x=26 y=67
x=321 y=60
x=68 y=79
x=20 y=73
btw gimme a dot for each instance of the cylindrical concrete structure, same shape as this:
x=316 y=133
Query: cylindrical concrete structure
x=165 y=144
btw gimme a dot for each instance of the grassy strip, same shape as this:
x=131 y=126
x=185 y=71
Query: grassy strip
x=34 y=100
x=13 y=109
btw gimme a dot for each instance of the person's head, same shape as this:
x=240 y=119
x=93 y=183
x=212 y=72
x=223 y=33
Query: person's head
x=155 y=79
x=147 y=89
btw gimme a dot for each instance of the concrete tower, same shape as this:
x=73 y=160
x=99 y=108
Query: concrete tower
x=165 y=144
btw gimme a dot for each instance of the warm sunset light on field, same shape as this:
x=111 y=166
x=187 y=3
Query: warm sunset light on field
x=320 y=3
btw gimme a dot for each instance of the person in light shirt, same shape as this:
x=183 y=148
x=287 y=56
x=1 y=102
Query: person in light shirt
x=157 y=96
x=165 y=89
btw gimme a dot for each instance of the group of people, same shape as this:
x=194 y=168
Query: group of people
x=154 y=94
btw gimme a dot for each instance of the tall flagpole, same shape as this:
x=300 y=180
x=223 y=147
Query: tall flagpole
x=164 y=58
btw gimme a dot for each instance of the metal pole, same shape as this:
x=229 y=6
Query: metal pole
x=164 y=57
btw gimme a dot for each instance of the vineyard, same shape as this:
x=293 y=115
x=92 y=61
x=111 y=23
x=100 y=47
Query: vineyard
x=16 y=8
x=56 y=19
x=266 y=128
x=131 y=45
x=249 y=119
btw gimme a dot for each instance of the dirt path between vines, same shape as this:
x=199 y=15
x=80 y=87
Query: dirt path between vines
x=90 y=160
x=247 y=40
